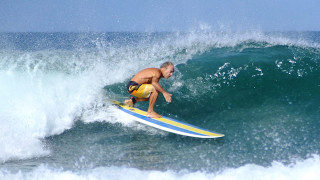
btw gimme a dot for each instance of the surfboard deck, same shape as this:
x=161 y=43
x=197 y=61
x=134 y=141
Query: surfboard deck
x=166 y=123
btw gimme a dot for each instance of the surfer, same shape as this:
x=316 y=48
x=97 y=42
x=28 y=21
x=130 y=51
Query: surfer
x=145 y=86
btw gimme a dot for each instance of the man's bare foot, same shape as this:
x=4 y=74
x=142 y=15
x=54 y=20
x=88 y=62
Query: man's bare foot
x=128 y=102
x=153 y=115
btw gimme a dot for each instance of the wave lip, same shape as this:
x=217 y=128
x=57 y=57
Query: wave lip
x=35 y=106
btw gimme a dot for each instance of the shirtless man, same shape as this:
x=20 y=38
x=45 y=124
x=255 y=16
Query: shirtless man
x=145 y=86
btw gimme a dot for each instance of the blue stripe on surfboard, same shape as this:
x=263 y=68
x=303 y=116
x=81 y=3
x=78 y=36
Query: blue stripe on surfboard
x=183 y=123
x=164 y=124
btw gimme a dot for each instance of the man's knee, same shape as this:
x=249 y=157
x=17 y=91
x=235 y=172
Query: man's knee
x=154 y=90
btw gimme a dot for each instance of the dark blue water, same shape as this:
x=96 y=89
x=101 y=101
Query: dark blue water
x=259 y=89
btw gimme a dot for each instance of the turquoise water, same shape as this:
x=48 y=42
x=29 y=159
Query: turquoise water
x=259 y=89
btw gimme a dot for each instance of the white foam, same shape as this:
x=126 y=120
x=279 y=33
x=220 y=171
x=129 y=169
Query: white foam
x=33 y=107
x=305 y=169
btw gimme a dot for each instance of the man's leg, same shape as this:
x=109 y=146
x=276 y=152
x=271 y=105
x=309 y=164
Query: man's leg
x=129 y=102
x=152 y=101
x=141 y=99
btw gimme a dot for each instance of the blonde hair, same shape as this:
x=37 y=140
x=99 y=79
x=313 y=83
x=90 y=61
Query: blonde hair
x=166 y=64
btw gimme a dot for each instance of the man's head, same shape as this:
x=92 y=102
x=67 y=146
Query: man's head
x=167 y=69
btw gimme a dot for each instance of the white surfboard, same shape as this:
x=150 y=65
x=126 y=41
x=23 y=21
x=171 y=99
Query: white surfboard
x=167 y=124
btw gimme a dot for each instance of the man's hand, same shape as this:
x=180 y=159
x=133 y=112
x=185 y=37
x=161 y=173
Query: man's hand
x=167 y=96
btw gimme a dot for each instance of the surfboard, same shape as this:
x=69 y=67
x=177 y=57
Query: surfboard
x=166 y=123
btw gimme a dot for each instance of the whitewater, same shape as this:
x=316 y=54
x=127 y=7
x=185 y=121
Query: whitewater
x=260 y=89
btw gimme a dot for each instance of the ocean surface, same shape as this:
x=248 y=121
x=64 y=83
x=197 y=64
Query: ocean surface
x=260 y=89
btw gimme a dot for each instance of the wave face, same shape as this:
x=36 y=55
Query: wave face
x=259 y=89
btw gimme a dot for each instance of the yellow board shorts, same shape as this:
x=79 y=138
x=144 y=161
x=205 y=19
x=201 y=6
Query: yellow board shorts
x=139 y=90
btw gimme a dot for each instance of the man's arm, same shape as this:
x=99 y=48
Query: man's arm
x=155 y=83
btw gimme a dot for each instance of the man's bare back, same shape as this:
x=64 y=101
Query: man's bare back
x=148 y=80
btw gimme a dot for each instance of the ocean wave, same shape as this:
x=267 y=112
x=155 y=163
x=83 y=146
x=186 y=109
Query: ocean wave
x=303 y=169
x=45 y=89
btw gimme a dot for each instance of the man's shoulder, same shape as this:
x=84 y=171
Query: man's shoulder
x=153 y=70
x=152 y=73
x=149 y=73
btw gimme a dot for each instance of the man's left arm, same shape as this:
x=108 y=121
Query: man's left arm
x=155 y=83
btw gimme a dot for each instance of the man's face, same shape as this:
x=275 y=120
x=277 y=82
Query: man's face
x=168 y=71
